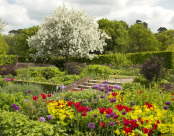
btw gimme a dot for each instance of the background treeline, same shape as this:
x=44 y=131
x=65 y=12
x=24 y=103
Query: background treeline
x=124 y=39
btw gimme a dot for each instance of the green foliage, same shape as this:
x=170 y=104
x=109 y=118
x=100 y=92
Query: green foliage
x=22 y=48
x=6 y=100
x=46 y=72
x=139 y=58
x=143 y=81
x=13 y=123
x=57 y=61
x=142 y=39
x=117 y=30
x=16 y=88
x=152 y=69
x=3 y=46
x=117 y=59
x=65 y=80
x=7 y=59
x=126 y=71
x=98 y=71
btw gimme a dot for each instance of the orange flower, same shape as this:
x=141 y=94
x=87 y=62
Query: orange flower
x=116 y=75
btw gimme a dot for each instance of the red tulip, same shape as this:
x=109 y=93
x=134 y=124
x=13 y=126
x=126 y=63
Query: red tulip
x=127 y=130
x=49 y=95
x=70 y=103
x=35 y=98
x=43 y=96
x=77 y=104
x=108 y=110
x=83 y=114
x=102 y=124
x=101 y=110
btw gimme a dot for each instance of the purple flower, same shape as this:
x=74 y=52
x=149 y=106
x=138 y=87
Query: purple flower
x=105 y=82
x=102 y=90
x=100 y=85
x=74 y=84
x=112 y=100
x=165 y=107
x=50 y=117
x=117 y=87
x=89 y=109
x=102 y=96
x=106 y=86
x=113 y=114
x=124 y=113
x=98 y=121
x=61 y=87
x=91 y=125
x=16 y=108
x=13 y=105
x=26 y=100
x=29 y=91
x=106 y=91
x=110 y=89
x=23 y=75
x=108 y=115
x=167 y=103
x=42 y=119
x=111 y=123
x=95 y=116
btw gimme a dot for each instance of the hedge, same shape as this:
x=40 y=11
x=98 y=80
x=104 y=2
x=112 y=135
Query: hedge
x=7 y=59
x=139 y=58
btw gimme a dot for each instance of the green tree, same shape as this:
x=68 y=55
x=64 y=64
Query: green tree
x=117 y=30
x=142 y=39
x=161 y=29
x=3 y=46
x=166 y=38
x=21 y=47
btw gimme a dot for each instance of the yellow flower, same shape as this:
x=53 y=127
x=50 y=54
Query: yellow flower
x=117 y=132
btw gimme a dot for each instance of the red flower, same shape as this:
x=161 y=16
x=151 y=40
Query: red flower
x=51 y=101
x=172 y=93
x=172 y=99
x=148 y=105
x=116 y=117
x=139 y=119
x=111 y=87
x=127 y=130
x=70 y=103
x=102 y=124
x=119 y=107
x=140 y=92
x=133 y=124
x=73 y=90
x=108 y=110
x=10 y=79
x=155 y=126
x=43 y=96
x=101 y=110
x=49 y=95
x=83 y=114
x=77 y=104
x=125 y=121
x=81 y=109
x=35 y=98
x=147 y=131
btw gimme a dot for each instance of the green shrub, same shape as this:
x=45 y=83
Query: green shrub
x=126 y=71
x=65 y=80
x=16 y=88
x=7 y=69
x=7 y=59
x=46 y=72
x=98 y=71
x=6 y=100
x=139 y=58
x=16 y=124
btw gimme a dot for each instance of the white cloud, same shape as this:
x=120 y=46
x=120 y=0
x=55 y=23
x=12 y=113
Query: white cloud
x=24 y=13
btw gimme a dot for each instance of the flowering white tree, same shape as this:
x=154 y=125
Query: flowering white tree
x=68 y=33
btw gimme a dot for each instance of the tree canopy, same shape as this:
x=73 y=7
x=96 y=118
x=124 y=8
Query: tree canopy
x=68 y=33
x=142 y=39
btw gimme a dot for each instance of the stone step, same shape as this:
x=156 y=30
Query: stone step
x=108 y=82
x=84 y=87
x=77 y=89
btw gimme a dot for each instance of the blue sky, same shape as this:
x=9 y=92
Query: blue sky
x=26 y=13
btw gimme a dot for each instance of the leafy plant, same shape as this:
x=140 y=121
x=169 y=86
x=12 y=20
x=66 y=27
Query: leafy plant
x=152 y=69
